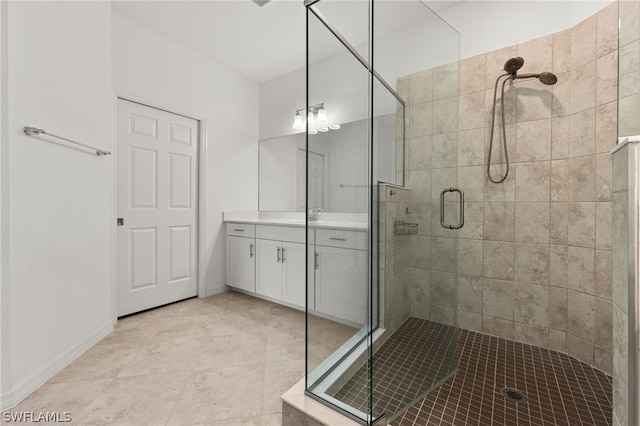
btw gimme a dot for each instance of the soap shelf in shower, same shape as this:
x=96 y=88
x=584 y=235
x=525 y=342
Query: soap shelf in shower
x=400 y=227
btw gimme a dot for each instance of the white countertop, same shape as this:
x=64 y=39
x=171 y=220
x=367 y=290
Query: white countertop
x=297 y=219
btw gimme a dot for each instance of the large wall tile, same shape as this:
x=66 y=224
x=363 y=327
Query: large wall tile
x=534 y=100
x=499 y=260
x=607 y=30
x=531 y=334
x=471 y=111
x=580 y=315
x=559 y=223
x=532 y=263
x=499 y=222
x=558 y=308
x=419 y=153
x=606 y=127
x=471 y=181
x=582 y=131
x=530 y=304
x=580 y=348
x=561 y=96
x=603 y=177
x=444 y=150
x=533 y=142
x=559 y=266
x=473 y=221
x=497 y=327
x=581 y=269
x=582 y=231
x=472 y=74
x=421 y=88
x=470 y=293
x=562 y=51
x=603 y=274
x=582 y=179
x=560 y=134
x=607 y=78
x=532 y=222
x=603 y=317
x=583 y=42
x=497 y=298
x=583 y=84
x=559 y=180
x=604 y=229
x=629 y=58
x=537 y=54
x=470 y=257
x=471 y=147
x=533 y=182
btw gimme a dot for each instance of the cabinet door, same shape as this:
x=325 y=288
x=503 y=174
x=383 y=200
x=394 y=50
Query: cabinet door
x=341 y=283
x=294 y=268
x=269 y=268
x=241 y=266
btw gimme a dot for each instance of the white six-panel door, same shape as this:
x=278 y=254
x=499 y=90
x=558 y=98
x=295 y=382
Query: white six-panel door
x=157 y=242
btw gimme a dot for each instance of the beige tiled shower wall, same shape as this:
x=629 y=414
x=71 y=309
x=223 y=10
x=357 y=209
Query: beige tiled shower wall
x=628 y=125
x=621 y=370
x=534 y=256
x=393 y=258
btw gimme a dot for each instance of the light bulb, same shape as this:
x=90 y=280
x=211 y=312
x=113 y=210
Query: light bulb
x=322 y=116
x=313 y=131
x=298 y=124
x=334 y=126
x=323 y=129
x=311 y=119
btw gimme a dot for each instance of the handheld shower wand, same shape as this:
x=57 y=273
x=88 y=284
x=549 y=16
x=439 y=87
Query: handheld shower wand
x=511 y=68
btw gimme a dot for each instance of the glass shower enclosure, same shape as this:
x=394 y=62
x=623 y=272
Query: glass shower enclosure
x=383 y=217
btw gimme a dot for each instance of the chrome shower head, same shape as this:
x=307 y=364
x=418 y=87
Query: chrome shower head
x=546 y=77
x=513 y=65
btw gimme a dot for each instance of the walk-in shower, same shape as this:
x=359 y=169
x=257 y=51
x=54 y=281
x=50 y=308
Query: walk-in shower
x=377 y=276
x=511 y=68
x=527 y=279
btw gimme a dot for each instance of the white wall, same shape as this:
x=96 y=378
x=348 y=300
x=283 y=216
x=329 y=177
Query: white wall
x=5 y=352
x=483 y=26
x=59 y=197
x=153 y=69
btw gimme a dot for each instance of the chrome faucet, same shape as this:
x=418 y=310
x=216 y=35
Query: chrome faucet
x=313 y=214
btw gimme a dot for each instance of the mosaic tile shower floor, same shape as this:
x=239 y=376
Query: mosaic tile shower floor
x=560 y=390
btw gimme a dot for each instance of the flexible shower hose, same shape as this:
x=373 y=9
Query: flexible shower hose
x=504 y=132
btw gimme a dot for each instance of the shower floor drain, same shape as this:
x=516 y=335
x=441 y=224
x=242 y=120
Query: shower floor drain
x=514 y=395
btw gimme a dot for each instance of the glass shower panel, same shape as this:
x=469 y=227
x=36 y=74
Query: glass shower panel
x=417 y=53
x=382 y=307
x=339 y=316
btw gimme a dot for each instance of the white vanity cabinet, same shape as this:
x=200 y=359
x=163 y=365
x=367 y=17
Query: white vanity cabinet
x=280 y=263
x=241 y=260
x=341 y=274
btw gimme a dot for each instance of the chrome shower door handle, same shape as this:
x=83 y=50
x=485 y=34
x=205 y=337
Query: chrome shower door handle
x=461 y=207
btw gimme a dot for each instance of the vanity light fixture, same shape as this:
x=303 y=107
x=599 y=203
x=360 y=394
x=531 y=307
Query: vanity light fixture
x=316 y=118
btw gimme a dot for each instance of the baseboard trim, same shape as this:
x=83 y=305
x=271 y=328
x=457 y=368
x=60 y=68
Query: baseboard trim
x=216 y=290
x=16 y=394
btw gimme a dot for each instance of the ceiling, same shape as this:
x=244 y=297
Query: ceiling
x=261 y=43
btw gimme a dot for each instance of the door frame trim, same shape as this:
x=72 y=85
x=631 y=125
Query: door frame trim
x=201 y=182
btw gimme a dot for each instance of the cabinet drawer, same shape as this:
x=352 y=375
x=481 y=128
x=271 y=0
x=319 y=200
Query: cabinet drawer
x=280 y=233
x=339 y=238
x=241 y=229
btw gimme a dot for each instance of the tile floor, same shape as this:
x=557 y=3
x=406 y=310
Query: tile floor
x=417 y=357
x=561 y=390
x=223 y=360
x=226 y=359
